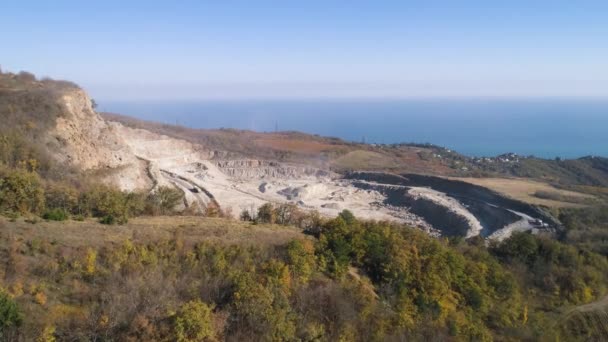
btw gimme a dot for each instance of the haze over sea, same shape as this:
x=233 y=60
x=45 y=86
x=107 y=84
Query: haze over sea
x=548 y=128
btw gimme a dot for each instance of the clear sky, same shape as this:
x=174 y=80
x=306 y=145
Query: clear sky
x=241 y=49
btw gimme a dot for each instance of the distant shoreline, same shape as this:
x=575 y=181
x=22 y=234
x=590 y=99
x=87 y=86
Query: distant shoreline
x=564 y=128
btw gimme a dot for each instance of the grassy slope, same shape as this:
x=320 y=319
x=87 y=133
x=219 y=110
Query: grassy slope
x=48 y=258
x=533 y=192
x=588 y=322
x=77 y=234
x=29 y=109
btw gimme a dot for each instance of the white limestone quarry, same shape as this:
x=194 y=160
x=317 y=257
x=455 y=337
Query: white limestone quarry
x=136 y=159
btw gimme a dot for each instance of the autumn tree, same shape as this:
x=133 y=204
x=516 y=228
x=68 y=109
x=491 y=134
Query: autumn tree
x=194 y=322
x=21 y=191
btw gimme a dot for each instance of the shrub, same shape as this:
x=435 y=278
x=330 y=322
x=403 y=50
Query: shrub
x=301 y=257
x=194 y=322
x=245 y=215
x=25 y=76
x=163 y=200
x=212 y=210
x=111 y=205
x=266 y=214
x=108 y=219
x=47 y=335
x=62 y=196
x=22 y=192
x=90 y=262
x=56 y=214
x=10 y=316
x=40 y=298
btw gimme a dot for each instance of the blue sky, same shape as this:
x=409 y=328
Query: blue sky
x=122 y=50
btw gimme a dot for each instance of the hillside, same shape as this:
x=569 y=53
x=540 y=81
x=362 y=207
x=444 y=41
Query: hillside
x=113 y=228
x=301 y=148
x=238 y=171
x=54 y=123
x=163 y=278
x=397 y=158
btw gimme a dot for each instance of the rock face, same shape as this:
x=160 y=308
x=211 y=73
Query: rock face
x=90 y=143
x=252 y=169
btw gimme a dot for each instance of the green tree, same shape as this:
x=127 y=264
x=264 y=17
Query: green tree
x=261 y=312
x=245 y=215
x=194 y=322
x=266 y=213
x=10 y=317
x=21 y=191
x=163 y=200
x=109 y=204
x=301 y=258
x=61 y=196
x=347 y=216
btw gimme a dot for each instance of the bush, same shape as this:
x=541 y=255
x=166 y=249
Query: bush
x=111 y=205
x=108 y=219
x=62 y=196
x=266 y=213
x=245 y=215
x=22 y=192
x=301 y=257
x=194 y=322
x=163 y=200
x=56 y=214
x=10 y=317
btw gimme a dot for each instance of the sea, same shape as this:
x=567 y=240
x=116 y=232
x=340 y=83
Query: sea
x=547 y=128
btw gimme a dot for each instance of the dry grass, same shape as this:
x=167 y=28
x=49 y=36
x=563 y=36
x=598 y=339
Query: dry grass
x=295 y=145
x=525 y=190
x=90 y=233
x=361 y=159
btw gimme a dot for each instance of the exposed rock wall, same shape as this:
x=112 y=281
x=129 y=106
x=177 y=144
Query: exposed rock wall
x=88 y=142
x=257 y=169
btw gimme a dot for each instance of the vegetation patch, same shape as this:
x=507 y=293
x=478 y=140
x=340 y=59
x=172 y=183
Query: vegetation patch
x=533 y=192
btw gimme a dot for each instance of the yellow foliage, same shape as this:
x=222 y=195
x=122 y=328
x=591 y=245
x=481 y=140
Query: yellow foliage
x=194 y=322
x=191 y=259
x=587 y=294
x=40 y=298
x=16 y=289
x=278 y=274
x=103 y=321
x=33 y=289
x=301 y=254
x=90 y=262
x=64 y=312
x=120 y=256
x=47 y=335
x=348 y=334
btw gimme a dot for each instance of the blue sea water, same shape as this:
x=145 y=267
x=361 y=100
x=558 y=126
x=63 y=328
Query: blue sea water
x=547 y=128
